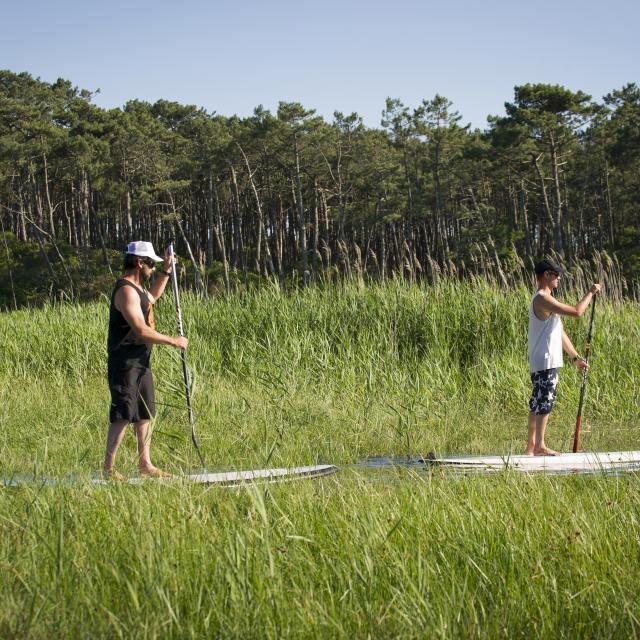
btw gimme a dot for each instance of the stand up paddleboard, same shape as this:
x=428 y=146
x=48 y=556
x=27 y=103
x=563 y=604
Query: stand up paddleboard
x=586 y=461
x=225 y=479
x=237 y=478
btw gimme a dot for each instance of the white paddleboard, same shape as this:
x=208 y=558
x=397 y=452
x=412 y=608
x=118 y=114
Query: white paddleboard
x=269 y=475
x=236 y=478
x=604 y=460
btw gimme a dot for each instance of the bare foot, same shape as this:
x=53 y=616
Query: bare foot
x=153 y=472
x=545 y=451
x=112 y=474
x=529 y=451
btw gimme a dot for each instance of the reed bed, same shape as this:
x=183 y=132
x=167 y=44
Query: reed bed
x=411 y=556
x=325 y=375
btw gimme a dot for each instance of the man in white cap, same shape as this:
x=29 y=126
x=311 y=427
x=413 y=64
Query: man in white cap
x=547 y=340
x=131 y=334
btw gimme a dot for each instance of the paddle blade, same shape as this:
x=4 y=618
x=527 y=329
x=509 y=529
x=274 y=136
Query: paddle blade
x=576 y=437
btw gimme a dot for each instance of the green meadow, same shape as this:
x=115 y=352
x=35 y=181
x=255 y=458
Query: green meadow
x=322 y=375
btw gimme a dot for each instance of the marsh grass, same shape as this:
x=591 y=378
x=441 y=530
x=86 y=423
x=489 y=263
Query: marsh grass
x=325 y=375
x=415 y=556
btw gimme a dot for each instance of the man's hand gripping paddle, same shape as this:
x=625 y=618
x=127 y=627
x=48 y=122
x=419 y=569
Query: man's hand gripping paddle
x=587 y=352
x=185 y=370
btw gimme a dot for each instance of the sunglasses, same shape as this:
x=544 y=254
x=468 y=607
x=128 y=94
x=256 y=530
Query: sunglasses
x=149 y=262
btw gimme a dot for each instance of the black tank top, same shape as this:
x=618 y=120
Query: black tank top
x=125 y=350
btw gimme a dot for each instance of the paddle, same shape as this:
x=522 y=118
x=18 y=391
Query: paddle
x=587 y=351
x=185 y=370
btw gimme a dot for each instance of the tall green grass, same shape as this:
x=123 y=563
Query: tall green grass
x=322 y=375
x=331 y=374
x=347 y=557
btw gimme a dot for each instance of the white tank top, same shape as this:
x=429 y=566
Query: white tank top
x=545 y=341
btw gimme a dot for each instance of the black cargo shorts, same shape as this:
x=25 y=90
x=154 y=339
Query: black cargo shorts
x=132 y=395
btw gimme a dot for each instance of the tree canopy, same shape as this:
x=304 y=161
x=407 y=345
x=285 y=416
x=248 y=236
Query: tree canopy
x=292 y=195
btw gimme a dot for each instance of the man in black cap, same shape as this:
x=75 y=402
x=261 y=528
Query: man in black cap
x=547 y=339
x=131 y=334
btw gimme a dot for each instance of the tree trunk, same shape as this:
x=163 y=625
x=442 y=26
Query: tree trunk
x=316 y=228
x=196 y=270
x=545 y=200
x=262 y=236
x=558 y=217
x=609 y=205
x=98 y=227
x=210 y=220
x=6 y=247
x=128 y=215
x=302 y=231
x=219 y=234
x=383 y=252
x=238 y=245
x=52 y=226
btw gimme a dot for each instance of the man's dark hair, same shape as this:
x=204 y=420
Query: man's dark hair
x=130 y=261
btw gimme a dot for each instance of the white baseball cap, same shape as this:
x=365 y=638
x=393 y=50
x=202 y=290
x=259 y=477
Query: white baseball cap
x=143 y=250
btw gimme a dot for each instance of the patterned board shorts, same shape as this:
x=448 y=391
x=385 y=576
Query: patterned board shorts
x=543 y=396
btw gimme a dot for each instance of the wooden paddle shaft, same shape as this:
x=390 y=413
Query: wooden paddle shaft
x=587 y=353
x=183 y=355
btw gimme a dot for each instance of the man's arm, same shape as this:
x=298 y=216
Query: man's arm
x=570 y=350
x=159 y=284
x=548 y=304
x=127 y=301
x=568 y=347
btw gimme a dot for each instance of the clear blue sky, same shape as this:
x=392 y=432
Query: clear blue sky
x=349 y=56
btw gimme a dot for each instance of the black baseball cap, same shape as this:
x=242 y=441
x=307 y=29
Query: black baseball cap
x=547 y=265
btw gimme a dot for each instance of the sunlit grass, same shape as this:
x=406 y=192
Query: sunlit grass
x=350 y=556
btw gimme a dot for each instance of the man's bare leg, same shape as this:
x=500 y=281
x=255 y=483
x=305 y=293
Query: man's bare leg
x=115 y=435
x=144 y=451
x=540 y=448
x=531 y=439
